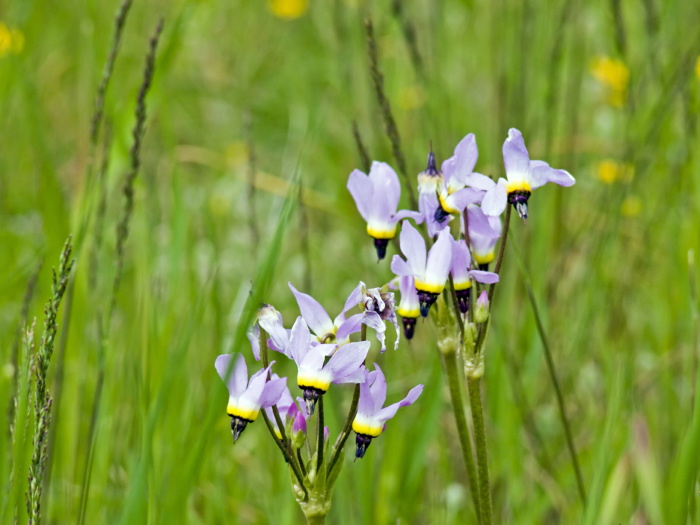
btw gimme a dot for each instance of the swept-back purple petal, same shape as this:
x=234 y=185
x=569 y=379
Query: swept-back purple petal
x=374 y=321
x=484 y=277
x=361 y=188
x=465 y=157
x=385 y=414
x=461 y=261
x=272 y=392
x=354 y=298
x=233 y=371
x=387 y=191
x=481 y=224
x=314 y=358
x=413 y=247
x=479 y=181
x=541 y=173
x=313 y=313
x=299 y=340
x=515 y=156
x=466 y=196
x=495 y=200
x=378 y=389
x=347 y=360
x=366 y=403
x=439 y=259
x=408 y=214
x=278 y=334
x=351 y=325
x=427 y=204
x=400 y=267
x=257 y=382
x=253 y=336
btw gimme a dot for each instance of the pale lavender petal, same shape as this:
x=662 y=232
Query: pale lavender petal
x=413 y=247
x=314 y=358
x=387 y=413
x=346 y=360
x=439 y=259
x=326 y=348
x=351 y=325
x=313 y=313
x=465 y=157
x=484 y=277
x=515 y=156
x=272 y=392
x=378 y=389
x=479 y=181
x=464 y=197
x=256 y=385
x=278 y=334
x=541 y=173
x=400 y=267
x=354 y=377
x=235 y=375
x=481 y=224
x=361 y=188
x=354 y=298
x=299 y=424
x=408 y=214
x=495 y=200
x=427 y=204
x=386 y=192
x=253 y=336
x=366 y=403
x=375 y=322
x=299 y=341
x=461 y=261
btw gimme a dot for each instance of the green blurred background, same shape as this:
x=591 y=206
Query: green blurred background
x=266 y=91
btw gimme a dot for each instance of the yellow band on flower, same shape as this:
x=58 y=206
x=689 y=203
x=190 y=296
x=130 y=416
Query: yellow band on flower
x=366 y=429
x=447 y=207
x=405 y=312
x=248 y=414
x=463 y=286
x=313 y=382
x=521 y=185
x=380 y=233
x=485 y=259
x=429 y=287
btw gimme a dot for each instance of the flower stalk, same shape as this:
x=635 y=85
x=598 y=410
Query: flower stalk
x=474 y=385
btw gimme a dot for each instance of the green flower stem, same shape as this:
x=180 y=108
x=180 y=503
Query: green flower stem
x=319 y=432
x=462 y=429
x=474 y=384
x=501 y=250
x=342 y=438
x=291 y=460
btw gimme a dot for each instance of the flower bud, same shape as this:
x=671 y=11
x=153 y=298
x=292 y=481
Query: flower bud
x=481 y=313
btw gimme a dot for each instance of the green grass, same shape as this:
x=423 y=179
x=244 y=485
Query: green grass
x=613 y=288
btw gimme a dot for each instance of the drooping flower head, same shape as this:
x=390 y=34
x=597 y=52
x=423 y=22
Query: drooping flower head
x=430 y=271
x=524 y=176
x=409 y=307
x=484 y=232
x=315 y=375
x=247 y=397
x=428 y=183
x=377 y=198
x=371 y=418
x=378 y=307
x=462 y=274
x=269 y=320
x=461 y=186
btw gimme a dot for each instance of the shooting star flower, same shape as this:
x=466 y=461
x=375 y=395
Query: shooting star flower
x=314 y=377
x=371 y=418
x=409 y=306
x=484 y=232
x=378 y=307
x=377 y=198
x=462 y=275
x=429 y=272
x=247 y=397
x=269 y=320
x=524 y=176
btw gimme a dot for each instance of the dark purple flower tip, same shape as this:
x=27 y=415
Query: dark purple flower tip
x=440 y=215
x=380 y=245
x=409 y=326
x=362 y=441
x=431 y=168
x=238 y=425
x=519 y=201
x=426 y=300
x=463 y=300
x=311 y=396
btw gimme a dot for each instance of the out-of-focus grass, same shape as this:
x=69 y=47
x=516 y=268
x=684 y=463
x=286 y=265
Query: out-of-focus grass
x=608 y=260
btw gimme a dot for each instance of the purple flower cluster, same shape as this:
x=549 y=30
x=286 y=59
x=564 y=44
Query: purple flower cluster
x=324 y=355
x=455 y=191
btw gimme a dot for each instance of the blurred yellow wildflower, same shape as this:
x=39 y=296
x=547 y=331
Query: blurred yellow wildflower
x=697 y=68
x=610 y=171
x=631 y=206
x=411 y=97
x=614 y=75
x=11 y=40
x=288 y=9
